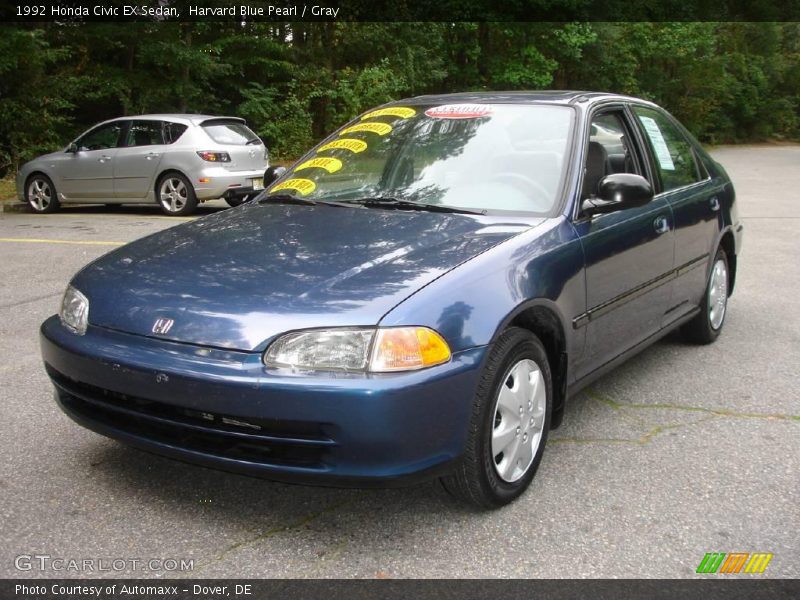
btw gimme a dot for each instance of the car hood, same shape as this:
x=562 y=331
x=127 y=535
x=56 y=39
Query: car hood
x=240 y=277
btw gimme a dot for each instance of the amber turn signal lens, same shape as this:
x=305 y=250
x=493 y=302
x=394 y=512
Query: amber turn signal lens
x=408 y=348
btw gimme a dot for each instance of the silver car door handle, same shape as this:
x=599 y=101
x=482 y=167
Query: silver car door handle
x=103 y=159
x=151 y=155
x=714 y=202
x=661 y=225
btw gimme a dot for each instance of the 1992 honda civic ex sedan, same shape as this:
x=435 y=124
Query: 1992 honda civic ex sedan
x=417 y=297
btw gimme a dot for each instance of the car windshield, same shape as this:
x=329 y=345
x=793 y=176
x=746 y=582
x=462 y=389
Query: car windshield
x=478 y=157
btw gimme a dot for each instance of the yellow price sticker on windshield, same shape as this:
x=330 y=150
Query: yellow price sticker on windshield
x=331 y=165
x=351 y=144
x=392 y=111
x=302 y=186
x=379 y=128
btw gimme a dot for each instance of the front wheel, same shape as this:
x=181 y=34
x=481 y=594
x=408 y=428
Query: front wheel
x=176 y=195
x=510 y=420
x=40 y=193
x=707 y=325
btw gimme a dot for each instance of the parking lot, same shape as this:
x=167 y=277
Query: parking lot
x=681 y=451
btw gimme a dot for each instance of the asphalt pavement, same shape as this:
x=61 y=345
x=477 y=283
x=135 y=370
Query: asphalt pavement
x=683 y=450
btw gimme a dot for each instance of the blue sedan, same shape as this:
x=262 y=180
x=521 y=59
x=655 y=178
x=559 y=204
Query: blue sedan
x=418 y=297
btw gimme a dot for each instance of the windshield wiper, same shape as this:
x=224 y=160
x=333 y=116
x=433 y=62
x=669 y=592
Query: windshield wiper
x=399 y=204
x=253 y=141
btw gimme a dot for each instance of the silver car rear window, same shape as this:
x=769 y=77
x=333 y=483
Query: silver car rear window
x=230 y=133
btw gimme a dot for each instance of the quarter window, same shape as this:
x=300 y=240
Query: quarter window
x=672 y=152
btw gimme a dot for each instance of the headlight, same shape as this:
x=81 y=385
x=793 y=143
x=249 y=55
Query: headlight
x=374 y=350
x=74 y=312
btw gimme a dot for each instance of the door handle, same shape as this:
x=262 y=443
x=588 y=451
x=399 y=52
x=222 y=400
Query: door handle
x=103 y=159
x=714 y=202
x=661 y=225
x=151 y=155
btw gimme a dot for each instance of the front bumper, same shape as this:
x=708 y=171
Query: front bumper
x=225 y=410
x=223 y=183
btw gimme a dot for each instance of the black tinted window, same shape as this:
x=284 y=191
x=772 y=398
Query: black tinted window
x=102 y=137
x=173 y=131
x=144 y=133
x=671 y=150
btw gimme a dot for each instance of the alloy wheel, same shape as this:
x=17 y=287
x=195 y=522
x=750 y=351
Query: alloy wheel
x=40 y=194
x=173 y=194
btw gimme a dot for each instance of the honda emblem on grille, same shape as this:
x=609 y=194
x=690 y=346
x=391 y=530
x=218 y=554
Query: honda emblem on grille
x=162 y=326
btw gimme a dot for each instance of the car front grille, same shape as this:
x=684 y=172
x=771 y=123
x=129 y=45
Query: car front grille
x=264 y=441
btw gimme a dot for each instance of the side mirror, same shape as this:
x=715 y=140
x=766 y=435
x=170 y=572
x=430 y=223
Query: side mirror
x=272 y=174
x=619 y=191
x=72 y=148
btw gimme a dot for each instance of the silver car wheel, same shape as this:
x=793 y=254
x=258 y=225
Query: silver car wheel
x=40 y=194
x=717 y=294
x=519 y=415
x=173 y=194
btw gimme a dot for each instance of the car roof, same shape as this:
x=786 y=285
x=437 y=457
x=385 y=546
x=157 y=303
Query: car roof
x=196 y=119
x=523 y=97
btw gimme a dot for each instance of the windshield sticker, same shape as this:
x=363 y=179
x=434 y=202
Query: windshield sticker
x=331 y=165
x=351 y=144
x=392 y=111
x=459 y=111
x=379 y=128
x=659 y=145
x=302 y=186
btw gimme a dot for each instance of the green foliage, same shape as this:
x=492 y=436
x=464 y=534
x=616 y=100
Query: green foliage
x=296 y=82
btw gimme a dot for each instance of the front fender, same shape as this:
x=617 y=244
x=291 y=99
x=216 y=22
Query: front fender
x=472 y=304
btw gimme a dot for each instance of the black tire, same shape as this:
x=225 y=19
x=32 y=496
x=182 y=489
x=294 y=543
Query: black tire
x=175 y=195
x=701 y=329
x=235 y=201
x=476 y=479
x=41 y=194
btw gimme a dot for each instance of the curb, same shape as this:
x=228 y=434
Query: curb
x=12 y=206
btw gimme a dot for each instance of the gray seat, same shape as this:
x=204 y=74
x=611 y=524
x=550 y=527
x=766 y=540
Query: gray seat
x=596 y=169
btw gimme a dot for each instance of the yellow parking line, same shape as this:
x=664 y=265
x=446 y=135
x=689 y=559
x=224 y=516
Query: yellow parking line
x=79 y=242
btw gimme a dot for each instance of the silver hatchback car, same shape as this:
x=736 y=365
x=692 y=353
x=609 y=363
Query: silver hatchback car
x=175 y=160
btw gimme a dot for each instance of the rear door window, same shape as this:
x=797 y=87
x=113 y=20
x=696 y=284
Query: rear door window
x=144 y=133
x=230 y=133
x=672 y=152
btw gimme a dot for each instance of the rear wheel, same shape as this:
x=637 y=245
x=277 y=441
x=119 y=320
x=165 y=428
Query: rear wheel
x=510 y=420
x=40 y=193
x=707 y=325
x=176 y=195
x=235 y=200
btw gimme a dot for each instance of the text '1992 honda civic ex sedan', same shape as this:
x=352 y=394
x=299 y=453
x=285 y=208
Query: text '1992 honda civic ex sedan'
x=417 y=297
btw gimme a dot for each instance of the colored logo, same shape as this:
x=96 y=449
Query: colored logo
x=734 y=562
